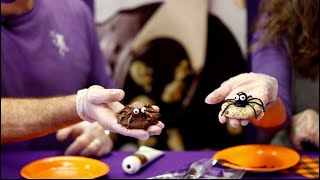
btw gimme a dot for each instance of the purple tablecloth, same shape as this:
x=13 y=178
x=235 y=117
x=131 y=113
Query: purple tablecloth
x=12 y=162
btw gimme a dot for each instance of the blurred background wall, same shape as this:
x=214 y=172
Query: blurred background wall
x=232 y=12
x=238 y=15
x=234 y=15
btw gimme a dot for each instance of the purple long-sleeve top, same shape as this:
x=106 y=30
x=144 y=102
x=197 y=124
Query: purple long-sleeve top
x=274 y=61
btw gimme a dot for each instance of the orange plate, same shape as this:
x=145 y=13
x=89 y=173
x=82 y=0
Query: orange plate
x=65 y=167
x=259 y=157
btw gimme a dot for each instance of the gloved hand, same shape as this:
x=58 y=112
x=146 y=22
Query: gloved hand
x=257 y=85
x=99 y=104
x=305 y=128
x=90 y=139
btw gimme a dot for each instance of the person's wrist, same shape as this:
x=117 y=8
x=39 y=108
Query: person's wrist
x=81 y=105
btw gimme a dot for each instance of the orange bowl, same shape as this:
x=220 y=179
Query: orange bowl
x=273 y=117
x=259 y=157
x=65 y=167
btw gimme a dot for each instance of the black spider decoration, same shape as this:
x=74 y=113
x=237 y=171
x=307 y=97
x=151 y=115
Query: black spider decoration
x=242 y=100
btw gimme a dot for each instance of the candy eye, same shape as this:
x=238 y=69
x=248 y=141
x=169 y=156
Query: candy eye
x=143 y=109
x=236 y=97
x=242 y=97
x=135 y=111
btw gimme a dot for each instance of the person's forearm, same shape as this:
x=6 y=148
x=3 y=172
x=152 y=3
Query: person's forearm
x=23 y=119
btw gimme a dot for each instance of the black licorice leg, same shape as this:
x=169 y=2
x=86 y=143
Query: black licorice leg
x=255 y=114
x=226 y=108
x=228 y=100
x=262 y=105
x=259 y=105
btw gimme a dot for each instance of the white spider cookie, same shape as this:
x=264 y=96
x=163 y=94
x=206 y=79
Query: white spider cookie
x=242 y=107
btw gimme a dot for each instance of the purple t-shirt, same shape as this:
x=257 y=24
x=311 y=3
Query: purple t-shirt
x=50 y=50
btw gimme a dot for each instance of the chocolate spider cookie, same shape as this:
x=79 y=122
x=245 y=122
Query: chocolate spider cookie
x=137 y=116
x=242 y=107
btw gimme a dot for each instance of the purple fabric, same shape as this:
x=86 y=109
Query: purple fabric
x=7 y=1
x=273 y=61
x=12 y=162
x=37 y=62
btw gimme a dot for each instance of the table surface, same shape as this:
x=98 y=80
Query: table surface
x=12 y=162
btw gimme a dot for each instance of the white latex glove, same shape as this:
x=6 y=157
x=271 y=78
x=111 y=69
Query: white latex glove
x=99 y=104
x=305 y=128
x=90 y=139
x=257 y=85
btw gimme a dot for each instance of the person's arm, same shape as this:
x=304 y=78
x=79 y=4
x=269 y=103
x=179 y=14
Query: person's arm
x=273 y=61
x=23 y=119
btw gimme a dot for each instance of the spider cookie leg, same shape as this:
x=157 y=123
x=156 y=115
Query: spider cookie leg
x=226 y=108
x=255 y=113
x=228 y=100
x=129 y=121
x=262 y=105
x=153 y=115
